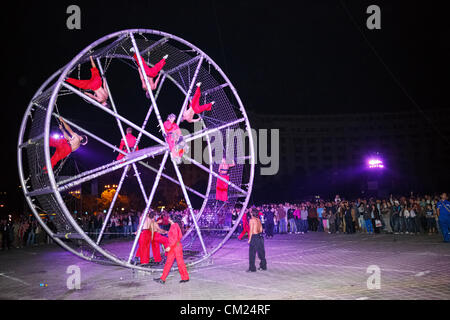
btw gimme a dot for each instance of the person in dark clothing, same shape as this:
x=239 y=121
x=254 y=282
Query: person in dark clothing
x=348 y=220
x=256 y=241
x=6 y=229
x=269 y=215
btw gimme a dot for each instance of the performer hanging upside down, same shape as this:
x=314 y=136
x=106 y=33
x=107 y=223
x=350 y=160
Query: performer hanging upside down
x=94 y=83
x=174 y=251
x=66 y=146
x=195 y=107
x=222 y=186
x=143 y=252
x=150 y=72
x=157 y=239
x=131 y=141
x=174 y=138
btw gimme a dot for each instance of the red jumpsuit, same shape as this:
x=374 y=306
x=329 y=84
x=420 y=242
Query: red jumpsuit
x=131 y=140
x=151 y=72
x=158 y=239
x=93 y=83
x=246 y=227
x=143 y=251
x=175 y=253
x=195 y=103
x=222 y=188
x=172 y=130
x=63 y=149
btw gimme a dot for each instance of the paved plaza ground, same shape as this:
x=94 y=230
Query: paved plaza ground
x=310 y=266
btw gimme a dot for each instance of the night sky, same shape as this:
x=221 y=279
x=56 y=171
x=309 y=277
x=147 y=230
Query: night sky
x=300 y=57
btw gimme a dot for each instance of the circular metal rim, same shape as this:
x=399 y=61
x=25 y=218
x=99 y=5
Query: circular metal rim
x=63 y=72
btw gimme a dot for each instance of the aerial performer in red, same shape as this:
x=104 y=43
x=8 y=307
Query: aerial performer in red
x=65 y=146
x=195 y=107
x=150 y=72
x=95 y=84
x=174 y=251
x=245 y=224
x=222 y=186
x=174 y=138
x=131 y=141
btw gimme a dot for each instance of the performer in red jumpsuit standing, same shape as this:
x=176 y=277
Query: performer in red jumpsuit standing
x=150 y=72
x=195 y=107
x=131 y=141
x=175 y=251
x=143 y=252
x=94 y=83
x=245 y=225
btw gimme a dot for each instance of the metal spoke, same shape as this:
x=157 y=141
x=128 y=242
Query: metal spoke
x=111 y=206
x=98 y=105
x=147 y=207
x=188 y=94
x=188 y=202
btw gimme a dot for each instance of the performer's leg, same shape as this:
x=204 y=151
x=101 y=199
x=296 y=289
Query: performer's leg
x=196 y=99
x=252 y=255
x=144 y=247
x=181 y=265
x=146 y=67
x=261 y=253
x=168 y=265
x=153 y=72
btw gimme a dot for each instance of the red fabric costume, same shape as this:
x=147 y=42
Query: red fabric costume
x=158 y=239
x=222 y=188
x=93 y=83
x=143 y=251
x=131 y=140
x=63 y=149
x=195 y=103
x=175 y=253
x=246 y=227
x=172 y=130
x=151 y=72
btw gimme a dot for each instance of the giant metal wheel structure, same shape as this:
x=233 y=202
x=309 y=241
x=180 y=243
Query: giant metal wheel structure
x=46 y=192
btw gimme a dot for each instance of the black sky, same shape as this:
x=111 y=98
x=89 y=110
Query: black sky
x=300 y=57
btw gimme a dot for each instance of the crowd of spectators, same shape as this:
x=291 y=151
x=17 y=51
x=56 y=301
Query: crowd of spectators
x=406 y=215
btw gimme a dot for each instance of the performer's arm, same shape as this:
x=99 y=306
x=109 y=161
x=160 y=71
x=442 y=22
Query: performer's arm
x=158 y=229
x=122 y=143
x=92 y=96
x=92 y=62
x=66 y=126
x=250 y=233
x=155 y=84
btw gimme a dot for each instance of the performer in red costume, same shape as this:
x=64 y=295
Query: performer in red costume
x=175 y=251
x=131 y=141
x=222 y=186
x=174 y=138
x=143 y=252
x=150 y=72
x=195 y=107
x=94 y=83
x=157 y=239
x=245 y=224
x=66 y=146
